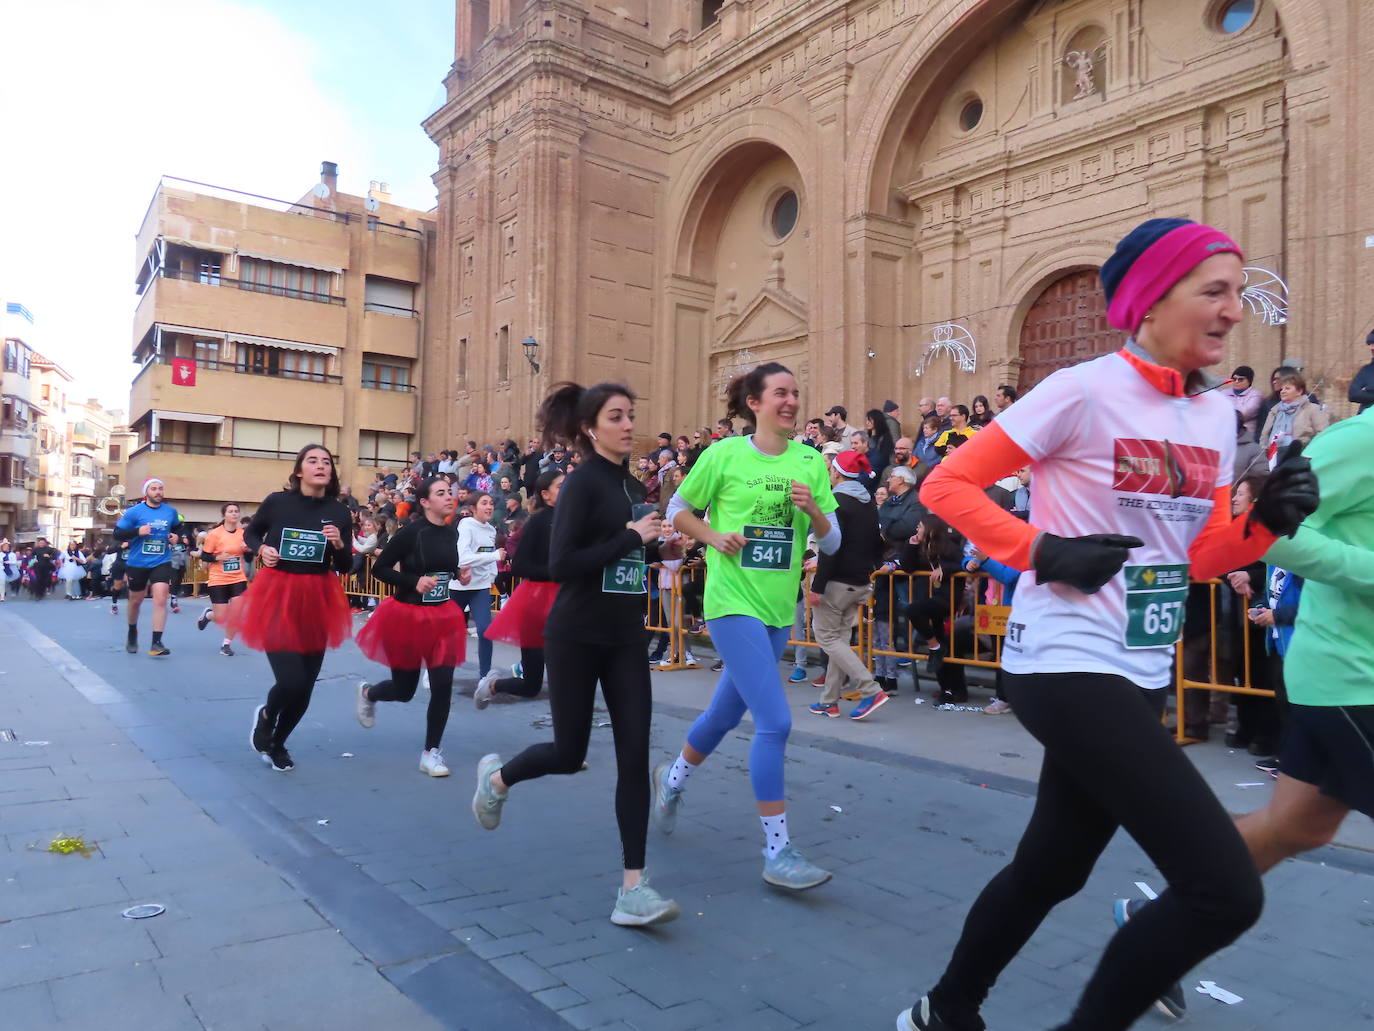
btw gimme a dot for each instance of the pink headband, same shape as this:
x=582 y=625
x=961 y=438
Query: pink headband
x=1160 y=266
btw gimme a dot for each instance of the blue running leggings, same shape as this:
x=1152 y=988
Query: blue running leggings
x=751 y=652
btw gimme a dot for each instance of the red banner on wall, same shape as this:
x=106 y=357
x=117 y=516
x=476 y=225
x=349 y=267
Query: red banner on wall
x=184 y=372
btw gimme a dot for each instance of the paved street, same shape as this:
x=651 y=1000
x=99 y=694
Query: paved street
x=358 y=893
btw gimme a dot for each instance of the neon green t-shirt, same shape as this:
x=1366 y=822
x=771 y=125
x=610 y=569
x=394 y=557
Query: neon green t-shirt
x=748 y=492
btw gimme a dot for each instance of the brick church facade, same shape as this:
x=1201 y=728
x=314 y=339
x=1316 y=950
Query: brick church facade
x=896 y=198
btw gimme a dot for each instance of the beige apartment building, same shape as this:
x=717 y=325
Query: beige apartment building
x=51 y=386
x=89 y=438
x=18 y=472
x=896 y=197
x=263 y=326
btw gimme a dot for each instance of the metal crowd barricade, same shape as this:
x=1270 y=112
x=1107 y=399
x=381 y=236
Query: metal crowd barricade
x=987 y=620
x=1241 y=667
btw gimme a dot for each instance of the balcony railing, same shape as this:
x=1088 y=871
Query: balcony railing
x=193 y=275
x=178 y=448
x=390 y=309
x=245 y=368
x=377 y=384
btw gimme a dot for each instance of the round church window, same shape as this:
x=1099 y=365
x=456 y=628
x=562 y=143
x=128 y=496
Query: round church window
x=782 y=219
x=1235 y=16
x=971 y=115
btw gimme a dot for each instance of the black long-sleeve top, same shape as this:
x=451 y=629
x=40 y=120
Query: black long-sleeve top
x=419 y=549
x=287 y=509
x=531 y=560
x=589 y=534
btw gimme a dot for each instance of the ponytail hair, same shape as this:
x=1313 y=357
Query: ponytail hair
x=569 y=409
x=747 y=385
x=422 y=491
x=544 y=482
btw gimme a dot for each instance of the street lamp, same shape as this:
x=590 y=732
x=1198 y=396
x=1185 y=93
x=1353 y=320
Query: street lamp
x=531 y=347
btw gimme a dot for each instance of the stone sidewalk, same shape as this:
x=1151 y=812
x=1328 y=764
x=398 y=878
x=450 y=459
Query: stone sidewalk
x=521 y=913
x=241 y=944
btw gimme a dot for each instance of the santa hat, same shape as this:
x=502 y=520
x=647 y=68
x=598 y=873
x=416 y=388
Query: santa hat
x=148 y=483
x=852 y=464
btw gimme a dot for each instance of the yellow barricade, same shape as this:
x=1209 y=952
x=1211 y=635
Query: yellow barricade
x=1214 y=654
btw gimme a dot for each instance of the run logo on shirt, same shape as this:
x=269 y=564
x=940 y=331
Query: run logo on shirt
x=1161 y=467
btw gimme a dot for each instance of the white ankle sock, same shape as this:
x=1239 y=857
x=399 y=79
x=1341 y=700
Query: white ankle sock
x=226 y=641
x=681 y=770
x=775 y=837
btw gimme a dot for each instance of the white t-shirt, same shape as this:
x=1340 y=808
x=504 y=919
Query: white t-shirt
x=477 y=550
x=1111 y=453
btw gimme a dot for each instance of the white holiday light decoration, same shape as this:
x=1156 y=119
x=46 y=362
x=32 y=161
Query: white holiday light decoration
x=1266 y=295
x=954 y=338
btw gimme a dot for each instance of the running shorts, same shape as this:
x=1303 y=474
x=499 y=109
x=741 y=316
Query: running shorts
x=1332 y=747
x=139 y=578
x=223 y=594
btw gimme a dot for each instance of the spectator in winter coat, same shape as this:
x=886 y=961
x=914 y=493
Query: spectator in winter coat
x=1362 y=386
x=902 y=511
x=1295 y=417
x=1245 y=397
x=841 y=587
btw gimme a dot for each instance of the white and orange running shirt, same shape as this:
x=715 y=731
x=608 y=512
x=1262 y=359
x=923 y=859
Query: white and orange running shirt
x=1114 y=447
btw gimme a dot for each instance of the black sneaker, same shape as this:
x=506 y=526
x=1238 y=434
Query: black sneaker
x=1173 y=1003
x=131 y=644
x=204 y=619
x=720 y=665
x=280 y=759
x=1269 y=765
x=921 y=1018
x=159 y=649
x=224 y=649
x=261 y=737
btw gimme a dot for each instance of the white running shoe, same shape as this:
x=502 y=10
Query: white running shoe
x=432 y=762
x=367 y=709
x=482 y=696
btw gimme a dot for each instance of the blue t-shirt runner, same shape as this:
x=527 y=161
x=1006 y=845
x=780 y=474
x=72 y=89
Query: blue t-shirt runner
x=150 y=527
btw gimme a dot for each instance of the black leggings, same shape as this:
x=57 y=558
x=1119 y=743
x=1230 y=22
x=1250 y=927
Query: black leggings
x=528 y=686
x=927 y=617
x=1109 y=763
x=401 y=688
x=574 y=669
x=296 y=673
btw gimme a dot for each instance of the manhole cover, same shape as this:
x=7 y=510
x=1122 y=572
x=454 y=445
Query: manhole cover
x=144 y=912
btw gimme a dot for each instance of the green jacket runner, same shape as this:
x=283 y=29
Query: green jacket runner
x=1331 y=659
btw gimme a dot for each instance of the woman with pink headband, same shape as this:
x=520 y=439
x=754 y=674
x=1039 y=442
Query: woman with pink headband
x=1132 y=456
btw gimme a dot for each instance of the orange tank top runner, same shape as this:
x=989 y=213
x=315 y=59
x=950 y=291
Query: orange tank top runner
x=231 y=556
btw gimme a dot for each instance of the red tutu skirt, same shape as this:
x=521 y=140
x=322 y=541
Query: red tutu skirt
x=521 y=619
x=293 y=612
x=402 y=636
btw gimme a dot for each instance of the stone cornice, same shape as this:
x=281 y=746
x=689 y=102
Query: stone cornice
x=1130 y=119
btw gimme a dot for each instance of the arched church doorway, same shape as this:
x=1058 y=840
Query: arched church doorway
x=1066 y=325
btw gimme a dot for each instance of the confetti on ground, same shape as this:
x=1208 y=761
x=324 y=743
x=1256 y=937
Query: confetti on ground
x=346 y=755
x=66 y=846
x=1217 y=992
x=322 y=823
x=1146 y=890
x=837 y=809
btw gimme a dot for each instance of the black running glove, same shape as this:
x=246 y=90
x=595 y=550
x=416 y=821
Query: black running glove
x=1084 y=563
x=1288 y=496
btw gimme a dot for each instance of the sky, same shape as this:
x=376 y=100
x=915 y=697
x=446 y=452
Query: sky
x=98 y=99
